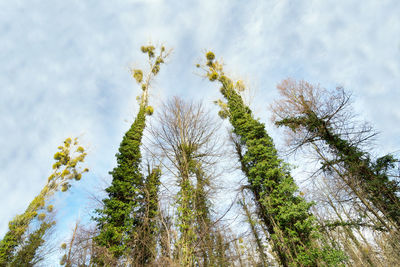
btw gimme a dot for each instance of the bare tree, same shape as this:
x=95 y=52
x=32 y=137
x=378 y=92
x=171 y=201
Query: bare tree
x=82 y=250
x=185 y=135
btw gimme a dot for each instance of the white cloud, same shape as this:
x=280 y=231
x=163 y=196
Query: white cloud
x=64 y=68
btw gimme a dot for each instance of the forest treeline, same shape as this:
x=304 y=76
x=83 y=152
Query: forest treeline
x=159 y=209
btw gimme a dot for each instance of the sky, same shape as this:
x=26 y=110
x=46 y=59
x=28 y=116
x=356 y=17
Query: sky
x=64 y=71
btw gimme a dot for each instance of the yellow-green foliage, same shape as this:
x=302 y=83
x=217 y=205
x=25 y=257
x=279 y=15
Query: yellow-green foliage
x=149 y=110
x=64 y=187
x=143 y=79
x=210 y=56
x=50 y=208
x=64 y=169
x=240 y=86
x=149 y=50
x=224 y=112
x=138 y=75
x=213 y=76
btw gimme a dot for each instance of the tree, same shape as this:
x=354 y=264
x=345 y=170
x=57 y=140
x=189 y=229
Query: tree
x=255 y=232
x=186 y=137
x=18 y=247
x=27 y=254
x=126 y=208
x=323 y=119
x=284 y=213
x=82 y=250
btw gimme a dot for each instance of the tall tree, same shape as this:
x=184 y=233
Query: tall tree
x=284 y=213
x=322 y=119
x=186 y=137
x=254 y=231
x=18 y=247
x=126 y=208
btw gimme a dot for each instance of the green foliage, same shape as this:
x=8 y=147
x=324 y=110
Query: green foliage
x=122 y=219
x=124 y=216
x=149 y=110
x=186 y=218
x=116 y=221
x=149 y=50
x=152 y=186
x=185 y=136
x=65 y=170
x=370 y=179
x=138 y=75
x=50 y=208
x=155 y=64
x=186 y=207
x=283 y=212
x=210 y=56
x=26 y=254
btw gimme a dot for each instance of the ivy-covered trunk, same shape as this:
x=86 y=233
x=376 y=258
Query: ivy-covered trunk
x=368 y=179
x=186 y=136
x=131 y=206
x=18 y=246
x=285 y=215
x=116 y=221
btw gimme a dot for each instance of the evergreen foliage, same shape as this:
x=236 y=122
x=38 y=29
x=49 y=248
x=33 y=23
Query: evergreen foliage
x=356 y=212
x=284 y=213
x=116 y=220
x=122 y=219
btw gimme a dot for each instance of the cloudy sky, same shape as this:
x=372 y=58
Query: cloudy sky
x=64 y=71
